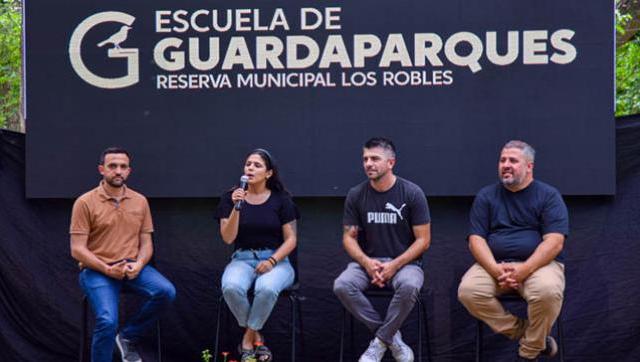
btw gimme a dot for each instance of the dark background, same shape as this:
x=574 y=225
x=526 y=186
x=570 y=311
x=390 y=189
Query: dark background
x=40 y=296
x=191 y=143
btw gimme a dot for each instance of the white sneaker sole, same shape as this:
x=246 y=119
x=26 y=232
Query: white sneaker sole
x=121 y=351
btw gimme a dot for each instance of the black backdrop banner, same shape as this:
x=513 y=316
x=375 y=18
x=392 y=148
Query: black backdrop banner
x=189 y=88
x=40 y=296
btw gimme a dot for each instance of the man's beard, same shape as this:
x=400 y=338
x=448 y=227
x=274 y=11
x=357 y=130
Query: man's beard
x=513 y=181
x=113 y=183
x=378 y=176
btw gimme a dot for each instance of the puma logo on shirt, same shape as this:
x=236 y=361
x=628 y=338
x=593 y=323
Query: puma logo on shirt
x=386 y=217
x=389 y=206
x=382 y=218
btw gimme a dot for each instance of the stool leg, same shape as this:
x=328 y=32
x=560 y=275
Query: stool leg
x=342 y=331
x=159 y=341
x=560 y=338
x=293 y=301
x=83 y=330
x=299 y=301
x=426 y=331
x=352 y=348
x=218 y=319
x=420 y=316
x=478 y=341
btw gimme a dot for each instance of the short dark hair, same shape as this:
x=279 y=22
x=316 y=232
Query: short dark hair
x=113 y=149
x=383 y=143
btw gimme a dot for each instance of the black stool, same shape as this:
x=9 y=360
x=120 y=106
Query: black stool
x=84 y=345
x=514 y=297
x=423 y=322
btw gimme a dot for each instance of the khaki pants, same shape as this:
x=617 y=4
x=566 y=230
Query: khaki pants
x=543 y=291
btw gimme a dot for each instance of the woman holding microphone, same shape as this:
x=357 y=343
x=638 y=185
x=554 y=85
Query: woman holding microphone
x=261 y=223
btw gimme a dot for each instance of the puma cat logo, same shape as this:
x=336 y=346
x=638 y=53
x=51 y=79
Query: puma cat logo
x=389 y=206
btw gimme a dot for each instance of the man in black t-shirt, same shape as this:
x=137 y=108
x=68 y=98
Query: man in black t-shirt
x=518 y=228
x=386 y=231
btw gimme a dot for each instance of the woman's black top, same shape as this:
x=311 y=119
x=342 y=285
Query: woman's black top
x=260 y=225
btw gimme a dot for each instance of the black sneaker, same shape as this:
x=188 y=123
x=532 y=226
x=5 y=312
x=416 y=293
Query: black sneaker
x=127 y=350
x=551 y=348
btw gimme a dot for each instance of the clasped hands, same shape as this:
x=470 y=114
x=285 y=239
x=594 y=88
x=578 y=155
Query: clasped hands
x=124 y=268
x=380 y=272
x=512 y=275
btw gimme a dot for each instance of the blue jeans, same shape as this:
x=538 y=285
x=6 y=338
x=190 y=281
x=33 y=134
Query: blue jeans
x=103 y=293
x=240 y=275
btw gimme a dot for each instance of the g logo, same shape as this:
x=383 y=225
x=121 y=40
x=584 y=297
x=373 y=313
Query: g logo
x=131 y=54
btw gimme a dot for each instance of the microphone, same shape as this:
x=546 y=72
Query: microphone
x=243 y=185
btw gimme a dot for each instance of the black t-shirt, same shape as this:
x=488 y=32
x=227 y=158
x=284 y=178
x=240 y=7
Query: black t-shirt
x=260 y=226
x=385 y=219
x=513 y=223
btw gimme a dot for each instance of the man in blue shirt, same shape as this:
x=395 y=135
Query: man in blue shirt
x=518 y=227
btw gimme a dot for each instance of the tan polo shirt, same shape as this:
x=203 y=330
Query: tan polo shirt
x=113 y=226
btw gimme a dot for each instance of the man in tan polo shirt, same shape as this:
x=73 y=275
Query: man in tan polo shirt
x=111 y=239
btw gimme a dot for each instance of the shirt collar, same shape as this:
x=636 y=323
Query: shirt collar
x=104 y=196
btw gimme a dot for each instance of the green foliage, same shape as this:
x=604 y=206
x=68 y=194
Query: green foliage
x=621 y=21
x=627 y=71
x=10 y=60
x=206 y=356
x=628 y=78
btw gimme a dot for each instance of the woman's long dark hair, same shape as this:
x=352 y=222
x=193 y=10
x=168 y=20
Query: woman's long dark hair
x=274 y=183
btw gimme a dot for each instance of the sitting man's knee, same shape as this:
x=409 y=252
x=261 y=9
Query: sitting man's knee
x=169 y=293
x=546 y=293
x=164 y=291
x=341 y=287
x=409 y=289
x=465 y=292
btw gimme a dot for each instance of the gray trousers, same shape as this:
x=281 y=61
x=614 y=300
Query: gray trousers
x=407 y=282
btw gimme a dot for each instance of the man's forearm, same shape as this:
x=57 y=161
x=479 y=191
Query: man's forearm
x=88 y=260
x=483 y=255
x=84 y=256
x=415 y=250
x=422 y=233
x=354 y=250
x=146 y=248
x=546 y=252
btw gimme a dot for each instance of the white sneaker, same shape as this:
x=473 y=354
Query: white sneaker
x=401 y=351
x=375 y=352
x=127 y=350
